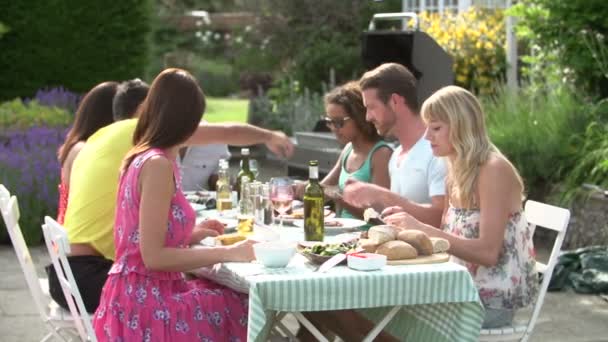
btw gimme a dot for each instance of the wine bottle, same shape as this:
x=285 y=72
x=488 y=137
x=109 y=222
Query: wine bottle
x=223 y=188
x=245 y=171
x=314 y=218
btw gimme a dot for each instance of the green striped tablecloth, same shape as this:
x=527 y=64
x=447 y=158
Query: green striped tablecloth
x=440 y=301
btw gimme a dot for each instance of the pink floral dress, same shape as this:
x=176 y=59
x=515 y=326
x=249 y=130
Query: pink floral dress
x=63 y=201
x=138 y=304
x=512 y=283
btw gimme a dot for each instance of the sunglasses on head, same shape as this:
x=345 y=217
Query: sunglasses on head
x=336 y=123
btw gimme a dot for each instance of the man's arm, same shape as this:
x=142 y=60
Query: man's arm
x=238 y=134
x=363 y=195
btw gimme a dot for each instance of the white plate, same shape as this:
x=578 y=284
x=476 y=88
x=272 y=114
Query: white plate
x=229 y=223
x=347 y=225
x=198 y=207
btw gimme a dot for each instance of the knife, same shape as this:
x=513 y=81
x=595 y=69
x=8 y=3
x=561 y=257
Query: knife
x=333 y=261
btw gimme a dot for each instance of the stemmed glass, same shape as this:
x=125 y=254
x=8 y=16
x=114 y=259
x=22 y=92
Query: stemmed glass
x=281 y=195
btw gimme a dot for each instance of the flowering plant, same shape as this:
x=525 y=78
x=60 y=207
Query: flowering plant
x=30 y=170
x=476 y=41
x=30 y=136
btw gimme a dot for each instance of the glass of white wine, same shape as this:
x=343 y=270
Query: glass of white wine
x=281 y=195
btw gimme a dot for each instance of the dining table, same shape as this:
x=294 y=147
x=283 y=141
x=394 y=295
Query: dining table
x=420 y=302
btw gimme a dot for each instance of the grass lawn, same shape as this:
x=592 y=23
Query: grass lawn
x=226 y=110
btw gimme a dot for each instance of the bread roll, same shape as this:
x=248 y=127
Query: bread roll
x=397 y=250
x=382 y=234
x=440 y=245
x=418 y=239
x=369 y=246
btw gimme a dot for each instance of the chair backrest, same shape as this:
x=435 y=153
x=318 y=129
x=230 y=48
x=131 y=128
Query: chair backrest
x=57 y=242
x=554 y=218
x=10 y=213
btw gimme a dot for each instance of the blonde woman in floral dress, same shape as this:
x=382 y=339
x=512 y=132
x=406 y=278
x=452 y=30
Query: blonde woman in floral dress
x=483 y=218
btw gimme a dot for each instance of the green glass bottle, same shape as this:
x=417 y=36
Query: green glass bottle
x=244 y=172
x=314 y=218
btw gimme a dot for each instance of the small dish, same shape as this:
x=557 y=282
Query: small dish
x=274 y=254
x=366 y=261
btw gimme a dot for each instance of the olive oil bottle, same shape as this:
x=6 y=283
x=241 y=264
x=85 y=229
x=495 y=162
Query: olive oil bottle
x=314 y=218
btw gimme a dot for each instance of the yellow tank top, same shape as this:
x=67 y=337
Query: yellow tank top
x=93 y=187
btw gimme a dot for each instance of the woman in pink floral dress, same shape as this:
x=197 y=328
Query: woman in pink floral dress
x=146 y=297
x=483 y=221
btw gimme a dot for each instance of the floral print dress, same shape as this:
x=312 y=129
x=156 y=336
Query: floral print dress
x=512 y=283
x=138 y=304
x=63 y=201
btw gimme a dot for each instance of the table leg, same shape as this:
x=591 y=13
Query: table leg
x=281 y=327
x=378 y=328
x=313 y=330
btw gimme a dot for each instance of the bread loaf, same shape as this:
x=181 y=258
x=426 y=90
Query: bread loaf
x=397 y=250
x=382 y=234
x=440 y=245
x=418 y=239
x=369 y=246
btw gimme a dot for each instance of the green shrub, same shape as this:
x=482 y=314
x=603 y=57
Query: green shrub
x=71 y=43
x=16 y=114
x=559 y=29
x=537 y=131
x=591 y=156
x=216 y=77
x=286 y=108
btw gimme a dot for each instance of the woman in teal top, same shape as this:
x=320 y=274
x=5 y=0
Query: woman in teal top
x=363 y=173
x=365 y=157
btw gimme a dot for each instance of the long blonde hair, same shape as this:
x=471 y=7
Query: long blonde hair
x=463 y=114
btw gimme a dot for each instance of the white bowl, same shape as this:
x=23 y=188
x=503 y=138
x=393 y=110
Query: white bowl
x=366 y=261
x=274 y=253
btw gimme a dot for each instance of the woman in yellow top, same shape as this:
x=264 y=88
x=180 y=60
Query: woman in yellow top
x=94 y=112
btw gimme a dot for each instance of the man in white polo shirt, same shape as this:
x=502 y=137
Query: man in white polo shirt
x=417 y=177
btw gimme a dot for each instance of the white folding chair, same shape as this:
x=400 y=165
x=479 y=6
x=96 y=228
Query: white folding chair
x=55 y=318
x=56 y=239
x=550 y=217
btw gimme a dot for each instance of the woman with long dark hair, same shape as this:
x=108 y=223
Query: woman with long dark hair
x=146 y=297
x=93 y=113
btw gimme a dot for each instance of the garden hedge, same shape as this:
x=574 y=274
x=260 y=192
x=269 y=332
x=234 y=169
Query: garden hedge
x=72 y=43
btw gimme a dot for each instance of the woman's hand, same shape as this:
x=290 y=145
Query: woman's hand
x=214 y=225
x=206 y=229
x=242 y=251
x=390 y=211
x=403 y=220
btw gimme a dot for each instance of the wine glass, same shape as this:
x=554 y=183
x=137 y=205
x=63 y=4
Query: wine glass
x=281 y=195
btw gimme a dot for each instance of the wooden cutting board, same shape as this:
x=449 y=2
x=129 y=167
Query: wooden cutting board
x=427 y=259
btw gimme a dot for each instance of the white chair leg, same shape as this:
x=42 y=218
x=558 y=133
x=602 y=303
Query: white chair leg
x=54 y=333
x=48 y=336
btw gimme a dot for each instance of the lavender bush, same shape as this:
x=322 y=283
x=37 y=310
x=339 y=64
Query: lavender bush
x=30 y=170
x=57 y=97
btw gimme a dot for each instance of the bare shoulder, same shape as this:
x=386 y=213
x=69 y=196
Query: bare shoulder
x=157 y=167
x=382 y=154
x=498 y=169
